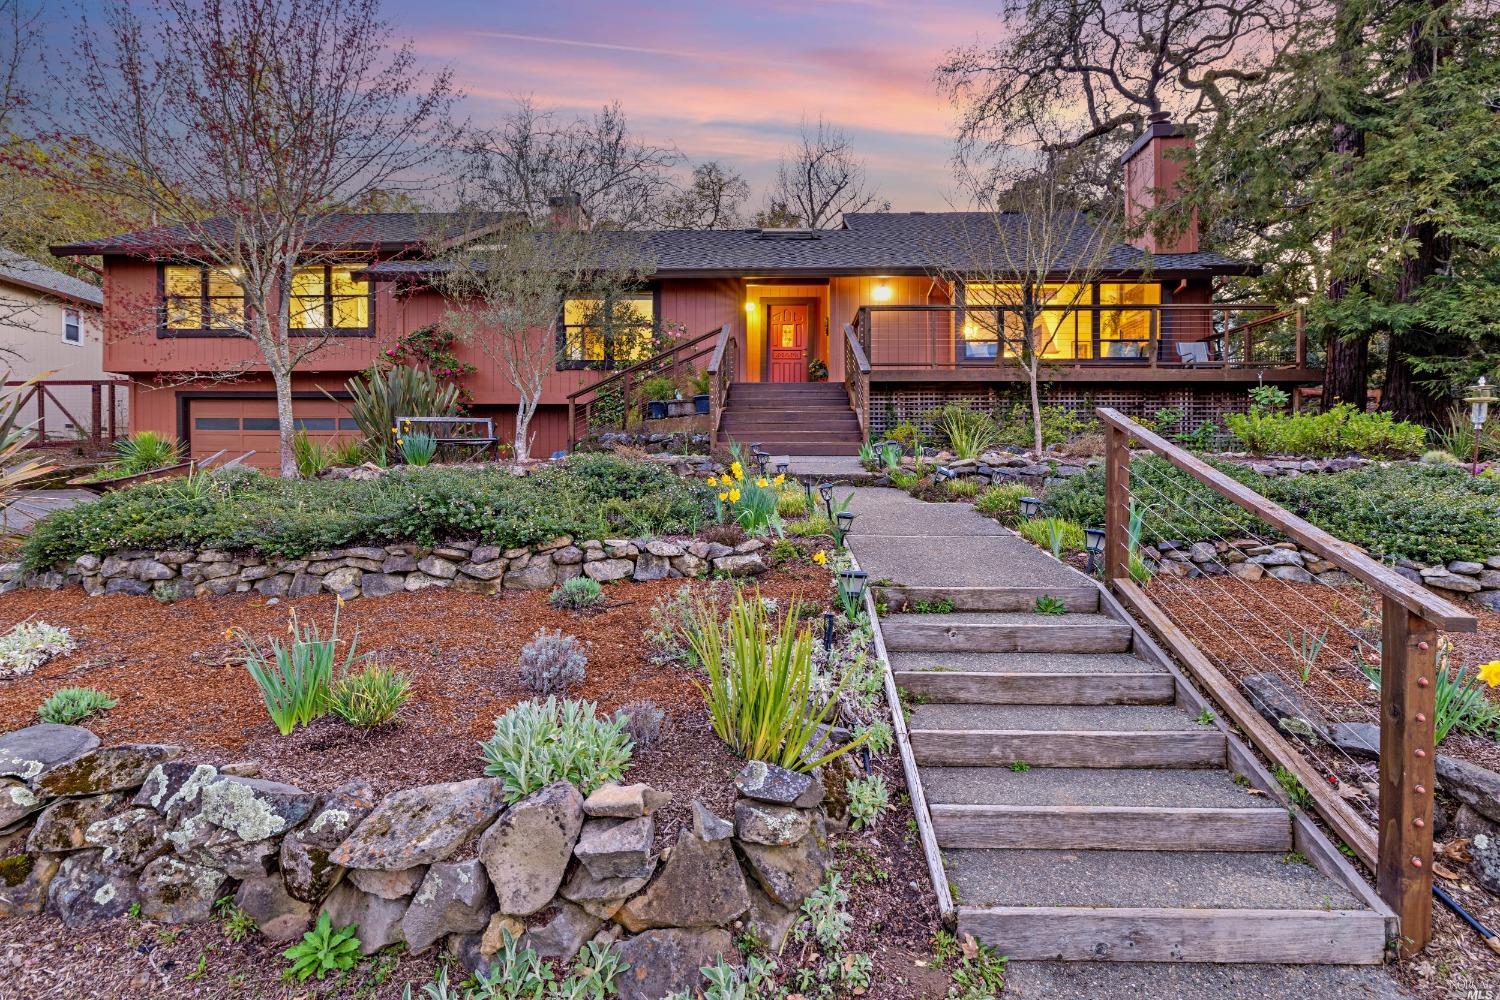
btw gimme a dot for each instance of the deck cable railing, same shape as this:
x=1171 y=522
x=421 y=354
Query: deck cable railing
x=1276 y=619
x=722 y=366
x=612 y=402
x=1174 y=336
x=857 y=379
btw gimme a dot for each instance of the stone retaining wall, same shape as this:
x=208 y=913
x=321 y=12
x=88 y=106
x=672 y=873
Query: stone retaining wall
x=377 y=570
x=90 y=833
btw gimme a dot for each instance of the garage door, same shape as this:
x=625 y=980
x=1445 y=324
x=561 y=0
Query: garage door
x=240 y=425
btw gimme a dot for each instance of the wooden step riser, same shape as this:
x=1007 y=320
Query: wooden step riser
x=1111 y=828
x=936 y=637
x=979 y=688
x=809 y=447
x=817 y=434
x=804 y=426
x=998 y=748
x=898 y=598
x=1296 y=937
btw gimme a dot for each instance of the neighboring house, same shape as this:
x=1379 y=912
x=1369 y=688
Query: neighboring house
x=50 y=322
x=1148 y=334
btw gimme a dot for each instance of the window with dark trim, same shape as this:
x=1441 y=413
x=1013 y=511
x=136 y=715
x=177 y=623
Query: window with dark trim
x=612 y=332
x=326 y=297
x=200 y=299
x=72 y=331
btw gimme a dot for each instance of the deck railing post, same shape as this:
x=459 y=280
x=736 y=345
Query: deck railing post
x=572 y=424
x=1117 y=505
x=1408 y=689
x=96 y=405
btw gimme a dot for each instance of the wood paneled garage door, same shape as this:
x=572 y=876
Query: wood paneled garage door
x=238 y=425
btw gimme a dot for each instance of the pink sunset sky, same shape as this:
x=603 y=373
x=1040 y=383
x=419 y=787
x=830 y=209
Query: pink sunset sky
x=726 y=81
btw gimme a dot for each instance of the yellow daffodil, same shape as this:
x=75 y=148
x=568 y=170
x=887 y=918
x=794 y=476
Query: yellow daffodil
x=723 y=496
x=820 y=557
x=761 y=482
x=737 y=469
x=734 y=496
x=400 y=442
x=395 y=429
x=229 y=632
x=779 y=480
x=713 y=481
x=1490 y=673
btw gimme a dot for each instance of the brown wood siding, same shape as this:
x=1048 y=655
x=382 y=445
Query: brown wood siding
x=846 y=295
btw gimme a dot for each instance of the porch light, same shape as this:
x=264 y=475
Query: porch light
x=1093 y=541
x=852 y=584
x=750 y=308
x=1030 y=507
x=882 y=293
x=1479 y=399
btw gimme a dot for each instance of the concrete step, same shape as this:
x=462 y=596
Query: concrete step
x=1033 y=688
x=1023 y=663
x=1111 y=828
x=1159 y=906
x=900 y=597
x=812 y=447
x=1088 y=786
x=1005 y=632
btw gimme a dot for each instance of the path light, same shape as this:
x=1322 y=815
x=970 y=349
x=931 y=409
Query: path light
x=845 y=519
x=782 y=465
x=1479 y=399
x=825 y=490
x=852 y=585
x=1093 y=541
x=828 y=631
x=1030 y=507
x=943 y=472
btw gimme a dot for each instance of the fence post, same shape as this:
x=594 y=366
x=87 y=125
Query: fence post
x=113 y=409
x=40 y=391
x=1117 y=505
x=1408 y=689
x=96 y=398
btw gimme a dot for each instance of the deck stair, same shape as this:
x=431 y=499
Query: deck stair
x=788 y=418
x=1083 y=813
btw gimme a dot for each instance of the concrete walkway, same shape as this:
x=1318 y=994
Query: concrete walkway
x=32 y=506
x=912 y=544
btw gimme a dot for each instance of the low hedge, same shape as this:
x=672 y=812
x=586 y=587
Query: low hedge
x=594 y=496
x=1342 y=430
x=1427 y=513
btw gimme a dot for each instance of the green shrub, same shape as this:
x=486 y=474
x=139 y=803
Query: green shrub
x=1341 y=430
x=1174 y=505
x=70 y=705
x=144 y=451
x=589 y=496
x=1059 y=424
x=967 y=431
x=312 y=456
x=1054 y=533
x=370 y=698
x=964 y=488
x=537 y=743
x=809 y=527
x=30 y=644
x=552 y=662
x=578 y=594
x=658 y=388
x=868 y=800
x=1002 y=501
x=792 y=501
x=382 y=396
x=416 y=449
x=296 y=680
x=322 y=950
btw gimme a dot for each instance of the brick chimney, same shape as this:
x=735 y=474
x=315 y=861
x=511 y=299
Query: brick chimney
x=1152 y=172
x=565 y=211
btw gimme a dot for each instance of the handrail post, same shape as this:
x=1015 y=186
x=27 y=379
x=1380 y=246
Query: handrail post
x=1117 y=505
x=572 y=425
x=1408 y=689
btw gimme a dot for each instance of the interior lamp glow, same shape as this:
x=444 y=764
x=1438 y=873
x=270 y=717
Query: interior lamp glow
x=882 y=292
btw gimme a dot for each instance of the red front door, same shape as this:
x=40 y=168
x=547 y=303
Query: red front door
x=786 y=335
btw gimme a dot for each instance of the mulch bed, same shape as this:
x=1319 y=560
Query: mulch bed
x=179 y=679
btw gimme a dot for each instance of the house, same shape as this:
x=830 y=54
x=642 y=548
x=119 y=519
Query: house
x=50 y=322
x=883 y=305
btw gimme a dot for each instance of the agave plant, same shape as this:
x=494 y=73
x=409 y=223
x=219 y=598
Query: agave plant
x=380 y=398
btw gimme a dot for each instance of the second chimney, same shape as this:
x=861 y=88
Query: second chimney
x=1152 y=175
x=565 y=211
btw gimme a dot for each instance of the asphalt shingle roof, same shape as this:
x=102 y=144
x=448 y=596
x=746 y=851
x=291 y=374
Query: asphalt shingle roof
x=385 y=230
x=22 y=270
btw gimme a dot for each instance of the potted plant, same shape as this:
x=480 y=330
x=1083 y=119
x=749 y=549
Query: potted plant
x=817 y=371
x=701 y=383
x=657 y=390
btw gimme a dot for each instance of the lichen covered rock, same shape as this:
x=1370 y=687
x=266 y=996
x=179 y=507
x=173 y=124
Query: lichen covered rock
x=526 y=850
x=417 y=826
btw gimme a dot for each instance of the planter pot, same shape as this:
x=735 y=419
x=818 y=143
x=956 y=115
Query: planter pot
x=680 y=408
x=700 y=403
x=656 y=409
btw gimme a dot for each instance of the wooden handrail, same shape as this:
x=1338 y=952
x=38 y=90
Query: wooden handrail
x=717 y=361
x=859 y=352
x=654 y=359
x=1401 y=852
x=1377 y=576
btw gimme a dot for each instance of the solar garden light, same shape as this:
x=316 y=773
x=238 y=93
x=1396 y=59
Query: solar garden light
x=825 y=490
x=1479 y=399
x=782 y=465
x=845 y=520
x=1093 y=541
x=852 y=589
x=828 y=631
x=1030 y=507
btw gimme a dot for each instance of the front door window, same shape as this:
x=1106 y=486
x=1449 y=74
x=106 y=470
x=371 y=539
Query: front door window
x=788 y=326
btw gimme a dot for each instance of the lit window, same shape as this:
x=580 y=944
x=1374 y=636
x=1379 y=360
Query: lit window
x=1061 y=325
x=72 y=332
x=608 y=333
x=1126 y=333
x=323 y=292
x=201 y=298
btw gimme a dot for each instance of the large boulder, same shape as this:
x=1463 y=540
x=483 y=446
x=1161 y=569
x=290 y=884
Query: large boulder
x=378 y=919
x=178 y=892
x=277 y=914
x=253 y=808
x=1283 y=704
x=701 y=885
x=787 y=874
x=31 y=752
x=768 y=920
x=24 y=879
x=83 y=893
x=305 y=867
x=199 y=842
x=454 y=899
x=612 y=848
x=417 y=826
x=526 y=850
x=666 y=962
x=105 y=769
x=62 y=825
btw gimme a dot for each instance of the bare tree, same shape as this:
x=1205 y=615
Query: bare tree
x=1026 y=259
x=243 y=128
x=1096 y=68
x=531 y=156
x=820 y=179
x=713 y=199
x=508 y=291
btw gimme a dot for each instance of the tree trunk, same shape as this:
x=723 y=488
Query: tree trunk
x=1036 y=408
x=1346 y=370
x=525 y=409
x=286 y=427
x=1346 y=375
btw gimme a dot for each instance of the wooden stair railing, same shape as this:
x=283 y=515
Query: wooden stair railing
x=1400 y=850
x=626 y=379
x=857 y=380
x=721 y=369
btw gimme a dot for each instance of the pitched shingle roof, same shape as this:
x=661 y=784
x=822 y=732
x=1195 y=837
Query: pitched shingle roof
x=383 y=231
x=21 y=270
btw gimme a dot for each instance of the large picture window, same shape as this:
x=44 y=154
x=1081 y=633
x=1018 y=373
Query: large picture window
x=613 y=332
x=202 y=298
x=1110 y=320
x=326 y=297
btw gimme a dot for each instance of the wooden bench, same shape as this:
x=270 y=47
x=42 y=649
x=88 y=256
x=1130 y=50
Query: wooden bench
x=463 y=432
